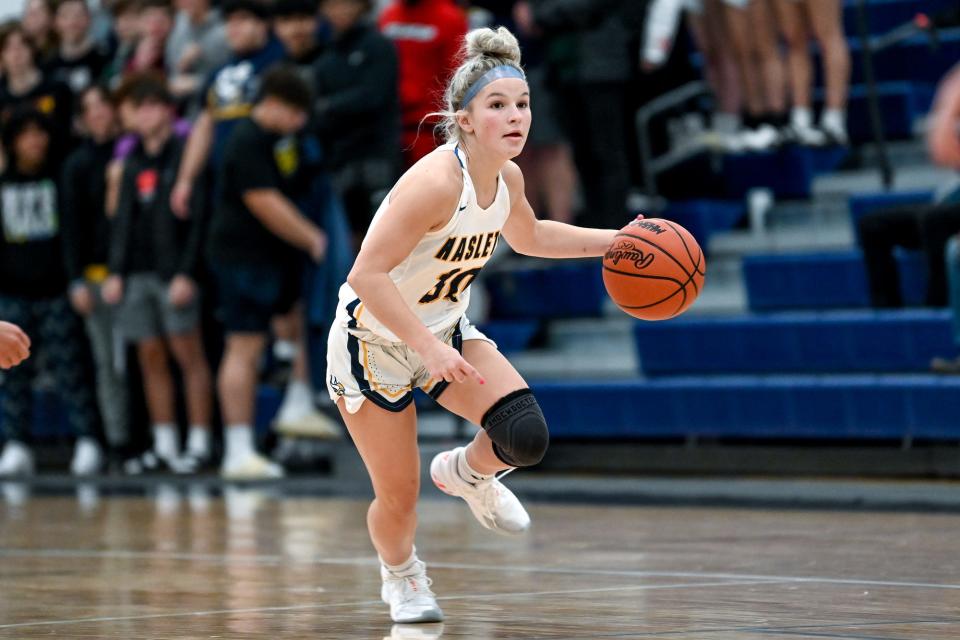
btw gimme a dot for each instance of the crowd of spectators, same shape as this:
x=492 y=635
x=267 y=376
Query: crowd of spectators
x=185 y=184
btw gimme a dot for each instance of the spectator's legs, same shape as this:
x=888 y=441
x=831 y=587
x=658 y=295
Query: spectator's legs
x=188 y=351
x=880 y=232
x=16 y=408
x=826 y=20
x=595 y=119
x=237 y=379
x=551 y=180
x=60 y=331
x=111 y=387
x=740 y=29
x=236 y=384
x=298 y=415
x=937 y=225
x=793 y=26
x=159 y=391
x=766 y=51
x=710 y=31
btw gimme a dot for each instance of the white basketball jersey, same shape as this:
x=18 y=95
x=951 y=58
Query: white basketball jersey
x=434 y=280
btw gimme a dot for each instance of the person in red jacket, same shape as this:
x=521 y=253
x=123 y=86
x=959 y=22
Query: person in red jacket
x=427 y=35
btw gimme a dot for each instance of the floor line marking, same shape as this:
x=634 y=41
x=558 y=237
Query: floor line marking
x=268 y=559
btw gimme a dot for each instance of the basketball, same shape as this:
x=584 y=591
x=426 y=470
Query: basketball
x=654 y=269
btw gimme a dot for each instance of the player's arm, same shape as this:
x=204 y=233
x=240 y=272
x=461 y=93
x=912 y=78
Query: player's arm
x=423 y=200
x=547 y=238
x=282 y=218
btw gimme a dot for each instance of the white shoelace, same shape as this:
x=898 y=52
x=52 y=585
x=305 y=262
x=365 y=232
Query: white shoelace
x=416 y=587
x=491 y=493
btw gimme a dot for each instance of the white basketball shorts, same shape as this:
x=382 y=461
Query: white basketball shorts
x=363 y=366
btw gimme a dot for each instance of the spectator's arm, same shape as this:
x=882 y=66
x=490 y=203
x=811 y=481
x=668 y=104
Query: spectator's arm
x=123 y=223
x=194 y=159
x=943 y=135
x=282 y=218
x=67 y=196
x=190 y=256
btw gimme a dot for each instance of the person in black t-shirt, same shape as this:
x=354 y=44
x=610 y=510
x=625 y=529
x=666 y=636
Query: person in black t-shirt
x=33 y=284
x=258 y=238
x=79 y=61
x=24 y=85
x=86 y=235
x=153 y=263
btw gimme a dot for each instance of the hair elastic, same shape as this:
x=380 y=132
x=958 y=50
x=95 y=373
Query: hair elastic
x=497 y=73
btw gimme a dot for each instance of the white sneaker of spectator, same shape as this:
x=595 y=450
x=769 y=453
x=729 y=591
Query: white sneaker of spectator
x=87 y=457
x=16 y=460
x=763 y=138
x=250 y=466
x=299 y=417
x=834 y=128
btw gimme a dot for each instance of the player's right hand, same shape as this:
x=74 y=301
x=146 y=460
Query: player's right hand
x=14 y=345
x=445 y=363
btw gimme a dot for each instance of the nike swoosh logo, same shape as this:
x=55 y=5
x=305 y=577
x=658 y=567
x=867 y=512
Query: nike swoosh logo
x=462 y=208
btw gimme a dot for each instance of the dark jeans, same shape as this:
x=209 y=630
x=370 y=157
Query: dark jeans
x=594 y=117
x=58 y=346
x=916 y=227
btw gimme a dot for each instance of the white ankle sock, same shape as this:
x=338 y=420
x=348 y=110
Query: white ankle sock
x=404 y=568
x=238 y=440
x=165 y=440
x=801 y=117
x=835 y=119
x=198 y=440
x=468 y=473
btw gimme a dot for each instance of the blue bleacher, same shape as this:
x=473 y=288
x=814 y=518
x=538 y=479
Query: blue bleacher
x=511 y=336
x=823 y=280
x=911 y=60
x=796 y=342
x=770 y=407
x=789 y=171
x=568 y=289
x=901 y=104
x=703 y=218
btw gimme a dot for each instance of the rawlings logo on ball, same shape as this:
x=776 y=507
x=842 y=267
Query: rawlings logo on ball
x=626 y=251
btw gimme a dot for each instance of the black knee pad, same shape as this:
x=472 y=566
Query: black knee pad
x=516 y=426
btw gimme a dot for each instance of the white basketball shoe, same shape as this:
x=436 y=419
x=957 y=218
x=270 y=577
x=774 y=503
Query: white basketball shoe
x=492 y=504
x=409 y=595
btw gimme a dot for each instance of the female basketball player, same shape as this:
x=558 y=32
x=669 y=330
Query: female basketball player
x=401 y=320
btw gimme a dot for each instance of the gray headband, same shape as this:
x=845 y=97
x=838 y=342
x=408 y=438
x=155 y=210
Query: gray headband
x=497 y=73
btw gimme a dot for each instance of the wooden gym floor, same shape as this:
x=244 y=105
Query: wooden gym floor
x=183 y=563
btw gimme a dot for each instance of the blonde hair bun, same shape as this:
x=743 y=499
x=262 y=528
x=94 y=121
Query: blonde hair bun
x=493 y=44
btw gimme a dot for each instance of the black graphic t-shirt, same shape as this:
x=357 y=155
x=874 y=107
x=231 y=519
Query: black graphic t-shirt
x=254 y=159
x=51 y=98
x=31 y=248
x=81 y=72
